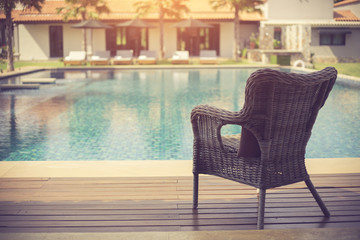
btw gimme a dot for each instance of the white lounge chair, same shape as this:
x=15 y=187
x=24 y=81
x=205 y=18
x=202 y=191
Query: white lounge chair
x=100 y=58
x=75 y=58
x=147 y=57
x=123 y=57
x=180 y=57
x=208 y=57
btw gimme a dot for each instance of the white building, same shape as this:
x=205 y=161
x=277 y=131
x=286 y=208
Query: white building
x=304 y=30
x=310 y=31
x=44 y=35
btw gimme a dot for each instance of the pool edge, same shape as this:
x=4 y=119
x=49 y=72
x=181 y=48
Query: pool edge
x=144 y=168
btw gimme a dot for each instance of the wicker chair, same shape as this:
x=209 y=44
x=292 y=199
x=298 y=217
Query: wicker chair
x=277 y=117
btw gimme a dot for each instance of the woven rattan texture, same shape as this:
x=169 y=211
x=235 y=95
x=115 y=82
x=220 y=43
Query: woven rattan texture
x=280 y=110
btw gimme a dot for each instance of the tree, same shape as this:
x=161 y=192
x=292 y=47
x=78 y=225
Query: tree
x=170 y=8
x=8 y=6
x=237 y=6
x=86 y=9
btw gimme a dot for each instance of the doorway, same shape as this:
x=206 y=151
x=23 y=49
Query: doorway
x=56 y=41
x=126 y=39
x=196 y=39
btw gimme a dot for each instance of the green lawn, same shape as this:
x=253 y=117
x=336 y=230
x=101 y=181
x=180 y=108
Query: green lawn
x=20 y=64
x=58 y=64
x=351 y=69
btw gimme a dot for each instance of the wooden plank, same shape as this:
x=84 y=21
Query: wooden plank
x=271 y=195
x=122 y=205
x=85 y=223
x=90 y=229
x=117 y=189
x=108 y=217
x=87 y=212
x=269 y=226
x=223 y=204
x=38 y=210
x=165 y=204
x=176 y=222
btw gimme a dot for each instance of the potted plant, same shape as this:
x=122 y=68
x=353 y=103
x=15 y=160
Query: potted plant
x=243 y=53
x=253 y=41
x=276 y=44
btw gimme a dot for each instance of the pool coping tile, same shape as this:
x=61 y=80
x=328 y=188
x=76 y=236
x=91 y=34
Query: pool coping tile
x=144 y=168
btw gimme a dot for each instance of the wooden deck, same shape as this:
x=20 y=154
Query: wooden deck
x=164 y=204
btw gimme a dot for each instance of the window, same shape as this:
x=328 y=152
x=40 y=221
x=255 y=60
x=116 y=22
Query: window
x=277 y=38
x=2 y=35
x=337 y=39
x=121 y=37
x=3 y=47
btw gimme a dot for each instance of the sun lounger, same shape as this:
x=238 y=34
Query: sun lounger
x=123 y=57
x=208 y=57
x=147 y=57
x=180 y=57
x=75 y=58
x=100 y=58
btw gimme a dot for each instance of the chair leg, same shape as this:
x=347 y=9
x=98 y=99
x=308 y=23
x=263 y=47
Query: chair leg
x=317 y=198
x=195 y=190
x=261 y=208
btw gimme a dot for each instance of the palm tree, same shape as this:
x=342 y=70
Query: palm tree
x=170 y=8
x=237 y=6
x=75 y=8
x=8 y=6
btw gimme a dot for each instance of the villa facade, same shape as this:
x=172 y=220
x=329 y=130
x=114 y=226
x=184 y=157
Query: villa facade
x=309 y=31
x=43 y=36
x=304 y=30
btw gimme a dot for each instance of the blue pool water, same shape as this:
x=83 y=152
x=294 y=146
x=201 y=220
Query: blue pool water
x=144 y=114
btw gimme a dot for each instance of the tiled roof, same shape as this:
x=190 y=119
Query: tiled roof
x=345 y=2
x=124 y=10
x=345 y=15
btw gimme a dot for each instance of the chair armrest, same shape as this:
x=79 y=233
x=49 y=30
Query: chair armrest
x=227 y=117
x=207 y=122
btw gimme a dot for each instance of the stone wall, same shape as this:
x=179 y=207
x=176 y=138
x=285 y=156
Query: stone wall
x=295 y=41
x=266 y=37
x=254 y=55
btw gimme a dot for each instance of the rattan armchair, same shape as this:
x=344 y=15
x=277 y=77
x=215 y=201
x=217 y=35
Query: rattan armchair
x=279 y=112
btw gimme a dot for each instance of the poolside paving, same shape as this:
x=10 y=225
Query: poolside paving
x=284 y=234
x=144 y=168
x=68 y=200
x=142 y=204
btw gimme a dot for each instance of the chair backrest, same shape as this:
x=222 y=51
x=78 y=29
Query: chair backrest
x=282 y=108
x=77 y=55
x=148 y=53
x=207 y=54
x=102 y=54
x=181 y=54
x=125 y=53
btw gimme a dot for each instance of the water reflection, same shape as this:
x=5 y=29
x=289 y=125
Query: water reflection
x=13 y=132
x=125 y=114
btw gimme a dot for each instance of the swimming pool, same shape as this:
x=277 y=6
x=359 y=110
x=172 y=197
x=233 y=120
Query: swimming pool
x=144 y=115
